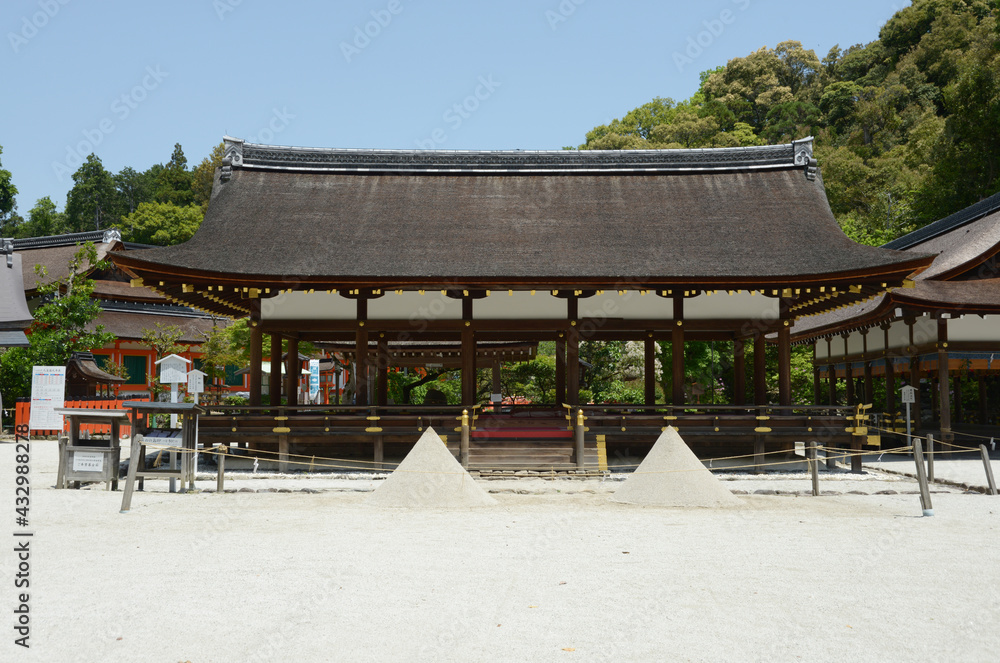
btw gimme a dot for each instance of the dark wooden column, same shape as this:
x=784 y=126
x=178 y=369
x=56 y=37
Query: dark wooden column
x=361 y=355
x=817 y=387
x=649 y=369
x=256 y=357
x=573 y=365
x=982 y=399
x=943 y=381
x=739 y=372
x=851 y=400
x=293 y=371
x=468 y=365
x=784 y=364
x=869 y=383
x=274 y=380
x=497 y=387
x=382 y=366
x=561 y=369
x=677 y=351
x=831 y=374
x=759 y=370
x=573 y=352
x=959 y=417
x=890 y=376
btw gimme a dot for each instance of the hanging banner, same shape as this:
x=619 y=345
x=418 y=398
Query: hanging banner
x=313 y=379
x=48 y=391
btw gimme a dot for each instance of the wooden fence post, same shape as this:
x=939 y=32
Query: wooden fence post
x=814 y=467
x=925 y=493
x=989 y=469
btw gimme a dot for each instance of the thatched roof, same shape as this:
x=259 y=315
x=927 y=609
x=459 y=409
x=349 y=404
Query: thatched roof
x=323 y=218
x=962 y=278
x=14 y=314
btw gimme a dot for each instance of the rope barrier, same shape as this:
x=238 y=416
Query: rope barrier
x=837 y=454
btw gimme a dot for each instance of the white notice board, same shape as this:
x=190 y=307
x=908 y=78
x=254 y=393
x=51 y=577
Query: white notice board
x=88 y=461
x=48 y=391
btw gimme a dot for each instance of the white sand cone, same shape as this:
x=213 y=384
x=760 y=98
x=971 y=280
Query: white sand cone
x=671 y=475
x=429 y=477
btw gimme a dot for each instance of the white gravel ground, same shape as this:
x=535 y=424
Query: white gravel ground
x=554 y=572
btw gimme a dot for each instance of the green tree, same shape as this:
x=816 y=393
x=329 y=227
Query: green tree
x=93 y=203
x=43 y=220
x=8 y=203
x=173 y=181
x=63 y=325
x=134 y=188
x=203 y=176
x=161 y=224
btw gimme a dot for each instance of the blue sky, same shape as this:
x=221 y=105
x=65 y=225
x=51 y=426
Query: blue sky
x=129 y=78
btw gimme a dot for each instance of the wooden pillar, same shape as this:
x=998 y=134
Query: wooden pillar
x=573 y=351
x=739 y=372
x=382 y=366
x=274 y=379
x=497 y=387
x=817 y=387
x=573 y=365
x=649 y=369
x=468 y=365
x=831 y=381
x=890 y=376
x=256 y=356
x=915 y=383
x=869 y=384
x=943 y=381
x=981 y=379
x=677 y=351
x=959 y=417
x=293 y=371
x=361 y=355
x=561 y=369
x=784 y=364
x=759 y=370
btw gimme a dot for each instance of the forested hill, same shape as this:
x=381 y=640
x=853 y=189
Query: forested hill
x=907 y=127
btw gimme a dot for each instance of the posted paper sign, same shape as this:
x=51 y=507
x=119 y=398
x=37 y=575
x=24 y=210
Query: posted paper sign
x=48 y=391
x=88 y=461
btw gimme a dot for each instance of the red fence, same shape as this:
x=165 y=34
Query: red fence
x=23 y=415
